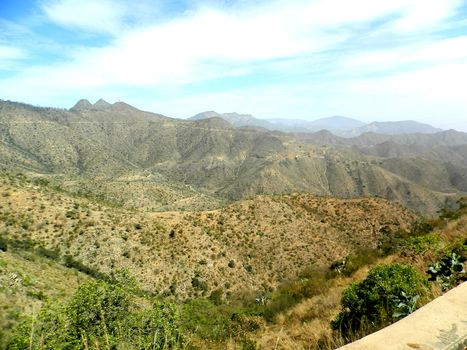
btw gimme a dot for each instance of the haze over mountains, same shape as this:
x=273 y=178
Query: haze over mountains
x=341 y=126
x=148 y=160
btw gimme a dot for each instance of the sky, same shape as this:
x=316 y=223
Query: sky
x=373 y=60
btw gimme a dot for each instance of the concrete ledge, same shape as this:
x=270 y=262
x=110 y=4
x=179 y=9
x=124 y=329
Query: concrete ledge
x=439 y=325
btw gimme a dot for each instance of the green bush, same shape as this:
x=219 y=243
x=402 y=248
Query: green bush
x=350 y=264
x=100 y=315
x=376 y=301
x=423 y=244
x=70 y=262
x=156 y=328
x=46 y=330
x=199 y=284
x=97 y=307
x=48 y=253
x=310 y=282
x=3 y=244
x=205 y=319
x=211 y=322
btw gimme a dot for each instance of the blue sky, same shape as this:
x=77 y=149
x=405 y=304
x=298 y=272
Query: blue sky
x=367 y=59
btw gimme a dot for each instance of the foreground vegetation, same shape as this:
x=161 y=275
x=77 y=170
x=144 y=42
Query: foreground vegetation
x=52 y=298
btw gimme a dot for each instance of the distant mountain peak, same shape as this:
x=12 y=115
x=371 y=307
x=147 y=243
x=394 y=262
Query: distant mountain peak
x=101 y=103
x=213 y=122
x=205 y=115
x=396 y=128
x=82 y=105
x=122 y=106
x=236 y=119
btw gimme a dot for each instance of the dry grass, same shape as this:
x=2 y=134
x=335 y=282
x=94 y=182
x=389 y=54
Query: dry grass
x=250 y=245
x=307 y=325
x=28 y=281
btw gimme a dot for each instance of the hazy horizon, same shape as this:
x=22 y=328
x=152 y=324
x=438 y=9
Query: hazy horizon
x=403 y=60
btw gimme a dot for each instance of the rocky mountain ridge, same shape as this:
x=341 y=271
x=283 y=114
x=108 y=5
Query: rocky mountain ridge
x=340 y=126
x=163 y=163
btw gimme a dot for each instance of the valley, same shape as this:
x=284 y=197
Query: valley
x=217 y=220
x=140 y=159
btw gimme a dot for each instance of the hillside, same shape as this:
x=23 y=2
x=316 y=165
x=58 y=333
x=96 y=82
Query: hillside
x=211 y=216
x=306 y=324
x=393 y=128
x=251 y=243
x=144 y=160
x=337 y=125
x=27 y=282
x=236 y=119
x=261 y=246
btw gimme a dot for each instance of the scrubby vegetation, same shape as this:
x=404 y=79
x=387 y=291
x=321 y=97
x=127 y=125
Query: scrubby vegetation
x=101 y=315
x=386 y=294
x=256 y=274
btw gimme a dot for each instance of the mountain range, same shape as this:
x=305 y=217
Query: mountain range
x=141 y=159
x=341 y=126
x=247 y=233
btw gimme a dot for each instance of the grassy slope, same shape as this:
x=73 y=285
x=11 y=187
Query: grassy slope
x=27 y=281
x=270 y=240
x=253 y=244
x=307 y=323
x=145 y=160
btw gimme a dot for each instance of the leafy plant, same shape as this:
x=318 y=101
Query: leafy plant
x=374 y=301
x=405 y=304
x=448 y=271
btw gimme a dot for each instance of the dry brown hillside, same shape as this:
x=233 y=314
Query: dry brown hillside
x=252 y=244
x=145 y=160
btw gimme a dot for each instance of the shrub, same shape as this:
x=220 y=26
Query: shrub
x=156 y=328
x=48 y=253
x=422 y=244
x=350 y=264
x=216 y=296
x=204 y=319
x=46 y=330
x=97 y=307
x=70 y=262
x=376 y=301
x=199 y=284
x=3 y=244
x=248 y=344
x=310 y=282
x=101 y=315
x=448 y=271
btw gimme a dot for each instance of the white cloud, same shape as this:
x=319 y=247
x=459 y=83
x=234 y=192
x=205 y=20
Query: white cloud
x=91 y=15
x=423 y=14
x=411 y=14
x=440 y=51
x=10 y=56
x=207 y=43
x=434 y=94
x=443 y=82
x=11 y=53
x=295 y=38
